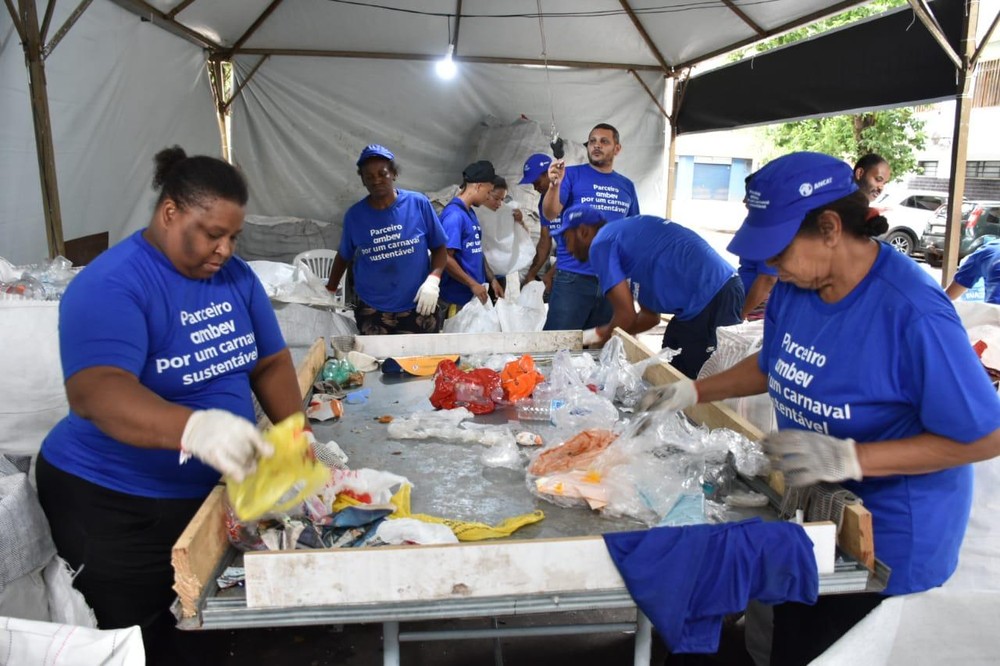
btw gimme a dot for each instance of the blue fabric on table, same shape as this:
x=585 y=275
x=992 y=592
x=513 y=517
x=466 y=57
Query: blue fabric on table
x=685 y=579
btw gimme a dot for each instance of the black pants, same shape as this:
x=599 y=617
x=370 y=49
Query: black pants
x=120 y=545
x=802 y=632
x=696 y=337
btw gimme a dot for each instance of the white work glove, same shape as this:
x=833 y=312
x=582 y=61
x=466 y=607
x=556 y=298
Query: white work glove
x=669 y=397
x=227 y=442
x=427 y=296
x=807 y=457
x=590 y=337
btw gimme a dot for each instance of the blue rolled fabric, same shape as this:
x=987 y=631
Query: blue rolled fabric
x=685 y=579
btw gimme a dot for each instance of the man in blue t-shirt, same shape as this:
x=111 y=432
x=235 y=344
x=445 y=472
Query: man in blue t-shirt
x=577 y=301
x=667 y=268
x=467 y=274
x=536 y=174
x=395 y=243
x=983 y=264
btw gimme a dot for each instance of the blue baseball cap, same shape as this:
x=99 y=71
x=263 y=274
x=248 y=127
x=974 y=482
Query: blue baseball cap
x=780 y=194
x=375 y=150
x=534 y=167
x=579 y=214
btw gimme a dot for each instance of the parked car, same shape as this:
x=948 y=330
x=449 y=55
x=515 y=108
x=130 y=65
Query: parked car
x=980 y=223
x=908 y=212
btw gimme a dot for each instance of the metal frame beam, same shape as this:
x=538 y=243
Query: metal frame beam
x=27 y=11
x=667 y=69
x=959 y=142
x=61 y=32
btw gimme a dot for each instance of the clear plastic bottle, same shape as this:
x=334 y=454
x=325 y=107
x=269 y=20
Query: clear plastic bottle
x=538 y=410
x=534 y=410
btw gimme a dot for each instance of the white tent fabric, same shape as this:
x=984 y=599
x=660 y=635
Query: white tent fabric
x=300 y=125
x=119 y=90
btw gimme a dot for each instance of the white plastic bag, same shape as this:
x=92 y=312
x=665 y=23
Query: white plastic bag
x=527 y=313
x=31 y=642
x=474 y=317
x=31 y=381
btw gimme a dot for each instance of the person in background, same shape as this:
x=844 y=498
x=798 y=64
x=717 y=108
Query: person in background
x=874 y=383
x=983 y=264
x=495 y=201
x=467 y=275
x=758 y=279
x=577 y=300
x=872 y=173
x=536 y=174
x=395 y=243
x=165 y=339
x=667 y=268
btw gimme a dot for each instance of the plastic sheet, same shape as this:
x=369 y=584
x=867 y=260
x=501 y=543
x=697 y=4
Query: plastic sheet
x=519 y=378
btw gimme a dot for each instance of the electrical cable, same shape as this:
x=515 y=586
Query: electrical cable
x=556 y=142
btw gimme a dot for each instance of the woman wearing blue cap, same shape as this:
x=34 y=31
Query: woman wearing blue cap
x=387 y=237
x=872 y=378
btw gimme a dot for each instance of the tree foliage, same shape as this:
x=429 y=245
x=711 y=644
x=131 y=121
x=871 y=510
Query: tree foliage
x=895 y=134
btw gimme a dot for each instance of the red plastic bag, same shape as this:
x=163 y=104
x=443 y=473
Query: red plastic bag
x=477 y=390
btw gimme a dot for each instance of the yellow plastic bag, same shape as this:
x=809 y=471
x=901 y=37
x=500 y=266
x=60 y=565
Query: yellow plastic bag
x=283 y=480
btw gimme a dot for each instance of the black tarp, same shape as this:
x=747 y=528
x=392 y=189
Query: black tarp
x=888 y=61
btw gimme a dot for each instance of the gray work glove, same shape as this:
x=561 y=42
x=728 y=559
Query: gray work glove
x=669 y=397
x=806 y=457
x=225 y=441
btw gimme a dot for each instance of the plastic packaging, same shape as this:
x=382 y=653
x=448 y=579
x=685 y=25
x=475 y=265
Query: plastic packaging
x=283 y=480
x=536 y=410
x=478 y=390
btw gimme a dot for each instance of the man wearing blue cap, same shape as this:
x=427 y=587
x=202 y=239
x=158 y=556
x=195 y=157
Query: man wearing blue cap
x=396 y=244
x=536 y=174
x=873 y=381
x=671 y=270
x=577 y=300
x=467 y=274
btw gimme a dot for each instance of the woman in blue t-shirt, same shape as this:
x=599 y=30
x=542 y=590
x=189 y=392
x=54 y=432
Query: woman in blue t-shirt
x=395 y=244
x=164 y=341
x=872 y=378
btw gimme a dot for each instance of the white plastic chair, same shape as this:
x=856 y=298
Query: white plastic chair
x=320 y=263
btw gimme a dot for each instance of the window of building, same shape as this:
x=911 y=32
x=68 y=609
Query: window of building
x=929 y=168
x=711 y=178
x=987 y=91
x=982 y=169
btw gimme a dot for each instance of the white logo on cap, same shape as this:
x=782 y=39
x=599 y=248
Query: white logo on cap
x=805 y=189
x=575 y=214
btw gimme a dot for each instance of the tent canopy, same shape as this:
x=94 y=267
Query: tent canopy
x=120 y=88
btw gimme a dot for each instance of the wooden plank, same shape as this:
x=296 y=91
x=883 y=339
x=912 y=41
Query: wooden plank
x=856 y=536
x=407 y=573
x=198 y=550
x=310 y=366
x=383 y=346
x=350 y=576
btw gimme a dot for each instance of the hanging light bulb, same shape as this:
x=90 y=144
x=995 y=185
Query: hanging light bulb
x=445 y=67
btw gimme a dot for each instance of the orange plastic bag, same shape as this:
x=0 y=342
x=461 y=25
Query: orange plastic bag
x=519 y=378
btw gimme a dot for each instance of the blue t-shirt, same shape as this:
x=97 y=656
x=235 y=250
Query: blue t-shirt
x=389 y=249
x=749 y=270
x=611 y=193
x=890 y=360
x=672 y=269
x=983 y=263
x=191 y=342
x=462 y=229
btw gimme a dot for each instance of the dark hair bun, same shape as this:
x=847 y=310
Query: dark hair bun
x=166 y=160
x=876 y=225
